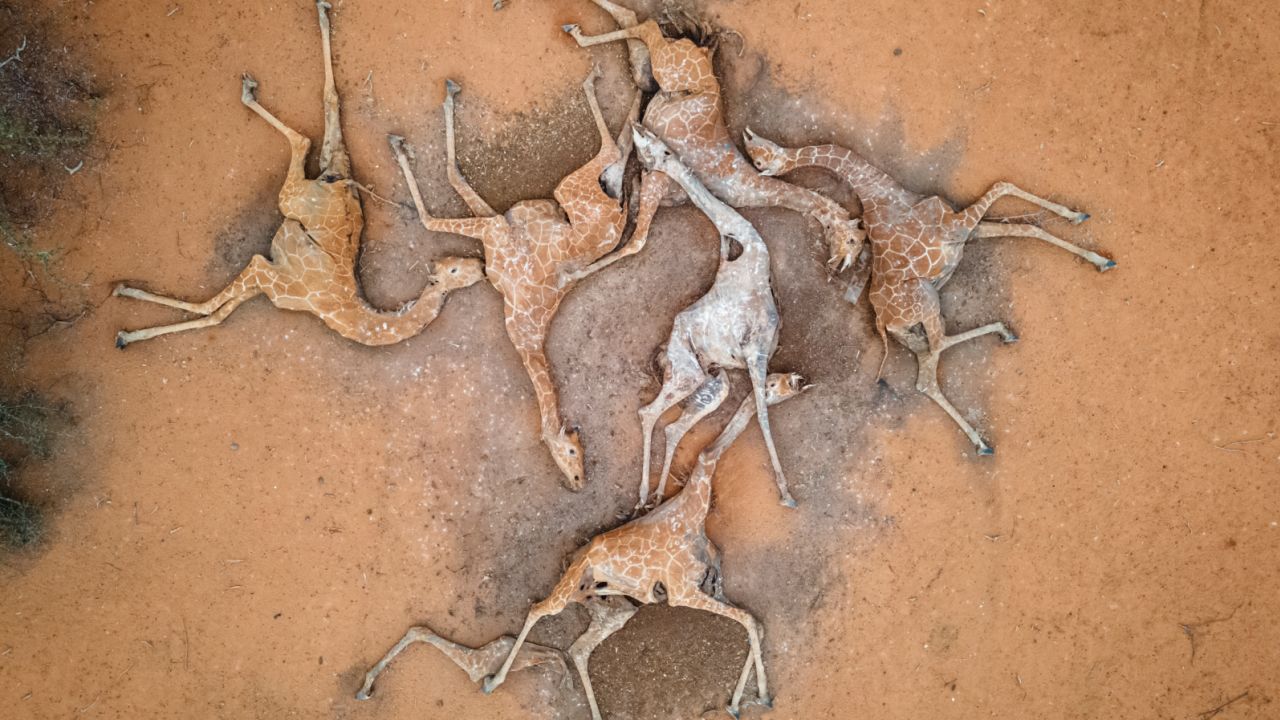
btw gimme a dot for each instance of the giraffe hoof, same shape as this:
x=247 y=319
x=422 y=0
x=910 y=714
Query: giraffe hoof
x=1010 y=339
x=362 y=695
x=765 y=702
x=488 y=685
x=451 y=87
x=1107 y=266
x=1080 y=217
x=733 y=713
x=570 y=28
x=120 y=341
x=788 y=502
x=986 y=450
x=247 y=87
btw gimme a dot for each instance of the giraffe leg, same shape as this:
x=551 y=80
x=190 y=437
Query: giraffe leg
x=579 y=193
x=698 y=601
x=477 y=228
x=641 y=63
x=475 y=662
x=478 y=206
x=654 y=187
x=612 y=176
x=758 y=369
x=333 y=152
x=995 y=229
x=976 y=211
x=683 y=376
x=551 y=606
x=589 y=40
x=124 y=338
x=704 y=401
x=247 y=278
x=298 y=143
x=607 y=617
x=414 y=635
x=927 y=357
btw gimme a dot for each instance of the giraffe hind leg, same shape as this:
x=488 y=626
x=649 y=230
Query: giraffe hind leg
x=638 y=52
x=246 y=285
x=124 y=338
x=334 y=160
x=996 y=229
x=608 y=615
x=683 y=376
x=704 y=401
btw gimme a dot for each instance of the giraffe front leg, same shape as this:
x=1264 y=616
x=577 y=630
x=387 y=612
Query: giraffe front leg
x=996 y=229
x=478 y=206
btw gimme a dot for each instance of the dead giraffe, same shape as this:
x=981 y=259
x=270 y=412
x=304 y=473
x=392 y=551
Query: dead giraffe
x=665 y=554
x=538 y=250
x=688 y=115
x=733 y=326
x=916 y=245
x=477 y=663
x=313 y=253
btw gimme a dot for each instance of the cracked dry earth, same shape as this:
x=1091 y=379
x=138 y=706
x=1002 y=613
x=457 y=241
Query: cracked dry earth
x=248 y=516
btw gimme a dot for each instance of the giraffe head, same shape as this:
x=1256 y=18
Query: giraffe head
x=846 y=239
x=768 y=157
x=566 y=450
x=454 y=272
x=783 y=386
x=653 y=153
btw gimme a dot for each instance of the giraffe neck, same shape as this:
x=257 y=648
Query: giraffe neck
x=359 y=321
x=866 y=180
x=727 y=220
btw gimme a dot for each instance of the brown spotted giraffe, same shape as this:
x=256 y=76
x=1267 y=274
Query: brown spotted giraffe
x=916 y=244
x=687 y=113
x=537 y=251
x=734 y=326
x=477 y=663
x=313 y=253
x=665 y=554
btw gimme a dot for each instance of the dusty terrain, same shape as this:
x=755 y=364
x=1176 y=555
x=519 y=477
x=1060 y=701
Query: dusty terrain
x=244 y=518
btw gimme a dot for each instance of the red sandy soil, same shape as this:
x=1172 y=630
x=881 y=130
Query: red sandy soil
x=248 y=516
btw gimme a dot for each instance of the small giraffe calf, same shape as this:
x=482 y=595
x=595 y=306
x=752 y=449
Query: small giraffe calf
x=538 y=250
x=663 y=555
x=313 y=254
x=916 y=244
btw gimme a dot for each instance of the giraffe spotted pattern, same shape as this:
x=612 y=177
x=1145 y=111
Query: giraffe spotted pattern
x=916 y=244
x=312 y=267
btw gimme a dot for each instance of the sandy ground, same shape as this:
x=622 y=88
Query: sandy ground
x=247 y=517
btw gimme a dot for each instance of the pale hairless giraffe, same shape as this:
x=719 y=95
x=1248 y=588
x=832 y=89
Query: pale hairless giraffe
x=687 y=114
x=313 y=253
x=734 y=326
x=537 y=251
x=916 y=243
x=477 y=663
x=665 y=554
